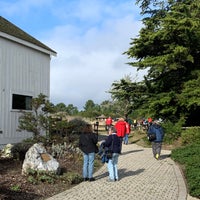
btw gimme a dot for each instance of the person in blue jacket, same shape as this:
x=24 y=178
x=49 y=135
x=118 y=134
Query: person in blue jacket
x=113 y=143
x=157 y=142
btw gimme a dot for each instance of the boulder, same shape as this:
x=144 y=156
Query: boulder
x=38 y=159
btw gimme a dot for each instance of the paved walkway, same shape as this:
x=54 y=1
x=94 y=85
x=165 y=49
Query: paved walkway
x=141 y=177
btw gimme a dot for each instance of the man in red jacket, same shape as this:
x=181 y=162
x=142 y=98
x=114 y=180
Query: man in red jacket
x=120 y=126
x=108 y=123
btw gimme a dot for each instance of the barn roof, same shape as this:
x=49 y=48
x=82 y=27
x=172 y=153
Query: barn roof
x=10 y=29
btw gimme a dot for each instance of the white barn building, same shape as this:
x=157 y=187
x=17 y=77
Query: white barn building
x=24 y=74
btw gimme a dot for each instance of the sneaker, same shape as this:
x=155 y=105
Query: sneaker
x=91 y=179
x=116 y=179
x=85 y=179
x=157 y=156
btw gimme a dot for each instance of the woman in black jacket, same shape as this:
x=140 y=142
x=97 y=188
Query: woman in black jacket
x=113 y=143
x=88 y=145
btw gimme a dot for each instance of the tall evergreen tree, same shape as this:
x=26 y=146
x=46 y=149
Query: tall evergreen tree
x=168 y=46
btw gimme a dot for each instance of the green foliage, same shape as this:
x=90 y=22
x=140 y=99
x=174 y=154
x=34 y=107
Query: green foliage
x=19 y=150
x=189 y=157
x=76 y=125
x=60 y=107
x=72 y=110
x=46 y=177
x=74 y=129
x=172 y=131
x=32 y=180
x=38 y=120
x=66 y=137
x=15 y=188
x=71 y=178
x=35 y=176
x=58 y=150
x=128 y=95
x=69 y=110
x=190 y=135
x=91 y=110
x=168 y=47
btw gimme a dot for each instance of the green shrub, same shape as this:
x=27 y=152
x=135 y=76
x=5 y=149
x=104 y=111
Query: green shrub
x=35 y=176
x=19 y=150
x=15 y=188
x=32 y=180
x=71 y=178
x=189 y=157
x=58 y=150
x=172 y=131
x=190 y=135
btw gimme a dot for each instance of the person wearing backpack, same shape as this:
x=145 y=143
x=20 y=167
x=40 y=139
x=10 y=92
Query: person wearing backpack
x=113 y=143
x=156 y=129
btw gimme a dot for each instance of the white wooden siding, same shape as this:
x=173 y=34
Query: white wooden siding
x=23 y=71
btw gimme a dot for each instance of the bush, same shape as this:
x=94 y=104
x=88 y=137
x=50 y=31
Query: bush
x=35 y=176
x=74 y=129
x=190 y=136
x=71 y=178
x=69 y=130
x=189 y=157
x=172 y=131
x=19 y=150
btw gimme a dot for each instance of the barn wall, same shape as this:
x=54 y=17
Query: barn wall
x=23 y=71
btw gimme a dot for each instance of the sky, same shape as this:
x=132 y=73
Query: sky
x=89 y=36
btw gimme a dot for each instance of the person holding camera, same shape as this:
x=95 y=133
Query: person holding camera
x=113 y=143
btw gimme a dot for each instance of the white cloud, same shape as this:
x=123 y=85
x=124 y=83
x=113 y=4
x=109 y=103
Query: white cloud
x=87 y=64
x=89 y=37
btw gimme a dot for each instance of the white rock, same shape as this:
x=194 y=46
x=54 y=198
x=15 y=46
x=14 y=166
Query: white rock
x=37 y=158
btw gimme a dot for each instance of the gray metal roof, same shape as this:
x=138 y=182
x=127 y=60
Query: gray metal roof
x=10 y=29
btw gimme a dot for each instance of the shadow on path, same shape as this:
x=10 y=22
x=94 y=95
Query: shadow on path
x=132 y=151
x=162 y=157
x=122 y=173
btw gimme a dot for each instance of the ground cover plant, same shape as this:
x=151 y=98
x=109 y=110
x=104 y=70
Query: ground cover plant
x=188 y=157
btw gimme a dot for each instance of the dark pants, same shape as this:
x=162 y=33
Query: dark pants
x=121 y=141
x=156 y=148
x=107 y=127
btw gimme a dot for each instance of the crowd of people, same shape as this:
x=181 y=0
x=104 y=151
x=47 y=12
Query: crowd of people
x=118 y=134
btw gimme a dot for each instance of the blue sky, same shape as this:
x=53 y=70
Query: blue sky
x=89 y=37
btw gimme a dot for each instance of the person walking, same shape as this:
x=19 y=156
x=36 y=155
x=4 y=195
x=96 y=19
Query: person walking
x=113 y=143
x=128 y=130
x=120 y=127
x=156 y=129
x=88 y=145
x=108 y=123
